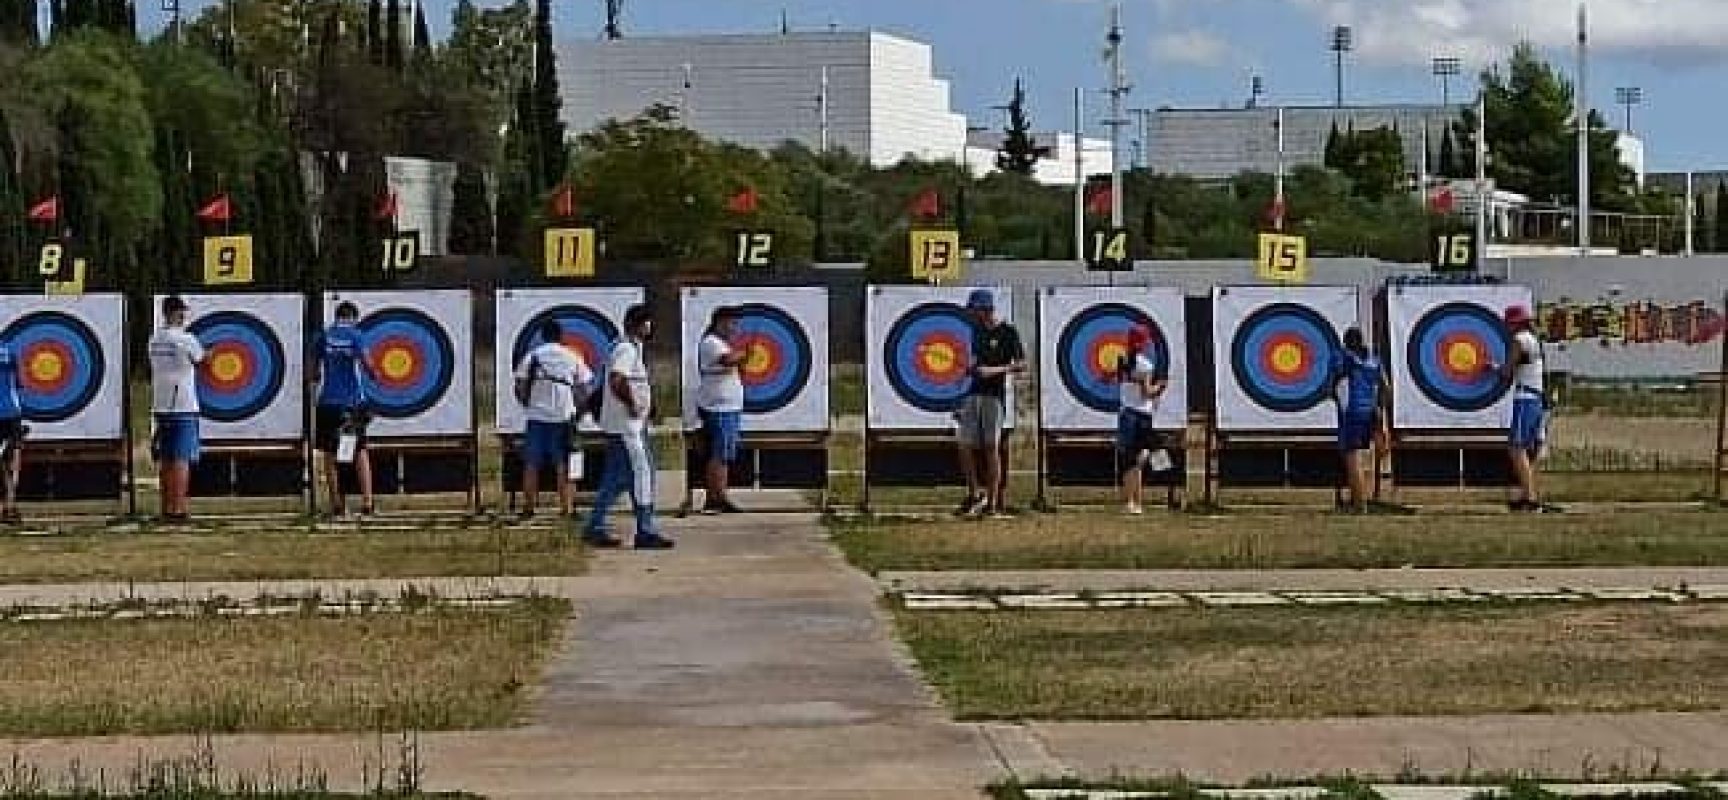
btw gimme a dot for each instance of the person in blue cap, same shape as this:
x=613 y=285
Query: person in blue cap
x=1361 y=379
x=997 y=354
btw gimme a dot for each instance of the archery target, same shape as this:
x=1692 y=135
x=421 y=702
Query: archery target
x=592 y=320
x=1083 y=336
x=782 y=332
x=919 y=354
x=416 y=348
x=1274 y=348
x=1443 y=338
x=249 y=384
x=70 y=363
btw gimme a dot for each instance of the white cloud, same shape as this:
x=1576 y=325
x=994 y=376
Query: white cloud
x=1413 y=31
x=1193 y=48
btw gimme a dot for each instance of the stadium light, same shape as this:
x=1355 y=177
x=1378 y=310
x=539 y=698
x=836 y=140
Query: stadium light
x=1445 y=68
x=1343 y=41
x=1629 y=96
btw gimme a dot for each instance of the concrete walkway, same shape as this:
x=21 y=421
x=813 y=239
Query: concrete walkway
x=751 y=662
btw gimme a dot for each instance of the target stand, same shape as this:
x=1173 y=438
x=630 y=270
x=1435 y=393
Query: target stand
x=69 y=355
x=1275 y=418
x=1450 y=414
x=1083 y=343
x=423 y=438
x=782 y=332
x=251 y=396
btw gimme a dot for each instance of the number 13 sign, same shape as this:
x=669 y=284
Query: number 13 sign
x=936 y=255
x=1283 y=259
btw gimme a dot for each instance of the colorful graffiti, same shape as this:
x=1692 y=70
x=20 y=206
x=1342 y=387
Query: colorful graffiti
x=1693 y=324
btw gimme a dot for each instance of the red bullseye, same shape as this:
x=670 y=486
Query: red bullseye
x=47 y=367
x=1286 y=359
x=396 y=363
x=1106 y=353
x=583 y=348
x=230 y=367
x=763 y=360
x=1462 y=357
x=941 y=358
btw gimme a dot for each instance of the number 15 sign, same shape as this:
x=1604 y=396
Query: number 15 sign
x=1283 y=259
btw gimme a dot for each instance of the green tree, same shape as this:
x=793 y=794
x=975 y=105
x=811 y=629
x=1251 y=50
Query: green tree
x=1449 y=164
x=1720 y=228
x=1332 y=158
x=18 y=23
x=546 y=120
x=1532 y=140
x=1703 y=225
x=1020 y=152
x=470 y=215
x=1373 y=160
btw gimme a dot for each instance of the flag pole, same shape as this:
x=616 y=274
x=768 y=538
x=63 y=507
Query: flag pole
x=1080 y=175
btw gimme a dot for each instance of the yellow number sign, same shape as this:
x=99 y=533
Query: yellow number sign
x=71 y=285
x=569 y=252
x=227 y=260
x=1282 y=258
x=936 y=256
x=48 y=265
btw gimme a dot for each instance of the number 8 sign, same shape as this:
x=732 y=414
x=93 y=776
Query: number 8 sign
x=1283 y=259
x=936 y=255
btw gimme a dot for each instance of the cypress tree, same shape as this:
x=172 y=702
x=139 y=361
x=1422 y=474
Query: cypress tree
x=1333 y=147
x=422 y=34
x=12 y=201
x=393 y=36
x=1703 y=225
x=548 y=127
x=374 y=32
x=470 y=218
x=1449 y=155
x=1720 y=228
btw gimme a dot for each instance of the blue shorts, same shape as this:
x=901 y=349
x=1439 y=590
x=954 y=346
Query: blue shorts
x=545 y=445
x=1355 y=432
x=1136 y=432
x=1528 y=418
x=176 y=439
x=721 y=431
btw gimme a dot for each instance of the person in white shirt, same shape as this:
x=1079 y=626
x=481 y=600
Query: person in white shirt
x=1142 y=386
x=624 y=418
x=552 y=383
x=720 y=404
x=175 y=356
x=1527 y=432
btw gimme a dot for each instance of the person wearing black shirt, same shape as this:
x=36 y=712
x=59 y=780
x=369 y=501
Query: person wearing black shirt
x=996 y=355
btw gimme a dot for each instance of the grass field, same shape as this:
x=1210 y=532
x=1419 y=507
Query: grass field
x=1268 y=541
x=439 y=669
x=1298 y=662
x=287 y=555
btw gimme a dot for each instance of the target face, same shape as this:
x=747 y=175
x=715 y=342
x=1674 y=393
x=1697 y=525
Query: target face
x=928 y=355
x=244 y=368
x=410 y=359
x=1450 y=349
x=60 y=365
x=1093 y=346
x=587 y=332
x=777 y=358
x=1282 y=356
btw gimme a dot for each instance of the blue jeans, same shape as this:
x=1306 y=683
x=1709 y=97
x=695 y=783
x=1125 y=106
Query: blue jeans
x=629 y=469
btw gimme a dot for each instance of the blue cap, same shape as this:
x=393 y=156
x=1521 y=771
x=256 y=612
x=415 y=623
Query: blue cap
x=981 y=299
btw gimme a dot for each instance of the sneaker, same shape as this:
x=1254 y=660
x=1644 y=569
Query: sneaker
x=1522 y=506
x=1133 y=510
x=653 y=541
x=722 y=507
x=970 y=506
x=176 y=519
x=601 y=541
x=1546 y=508
x=1002 y=512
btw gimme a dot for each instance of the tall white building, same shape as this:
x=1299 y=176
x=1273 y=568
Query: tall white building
x=883 y=98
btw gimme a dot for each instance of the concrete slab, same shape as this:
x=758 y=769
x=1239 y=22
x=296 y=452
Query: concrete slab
x=1712 y=579
x=1404 y=792
x=1335 y=598
x=1238 y=599
x=1533 y=593
x=1612 y=789
x=1432 y=595
x=1634 y=595
x=1044 y=602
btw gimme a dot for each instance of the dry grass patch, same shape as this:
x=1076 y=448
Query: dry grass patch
x=1299 y=662
x=438 y=669
x=287 y=556
x=1270 y=541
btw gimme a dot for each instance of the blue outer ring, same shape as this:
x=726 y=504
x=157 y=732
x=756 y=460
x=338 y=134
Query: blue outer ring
x=900 y=349
x=269 y=360
x=1251 y=340
x=435 y=347
x=1074 y=352
x=87 y=358
x=1423 y=354
x=789 y=382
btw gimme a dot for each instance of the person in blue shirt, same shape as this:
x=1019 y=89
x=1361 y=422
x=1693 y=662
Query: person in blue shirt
x=12 y=430
x=339 y=369
x=1361 y=379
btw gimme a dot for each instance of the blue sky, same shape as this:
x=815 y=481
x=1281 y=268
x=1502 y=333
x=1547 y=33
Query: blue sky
x=1201 y=52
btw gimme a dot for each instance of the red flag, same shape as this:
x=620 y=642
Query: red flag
x=927 y=205
x=563 y=202
x=386 y=207
x=744 y=202
x=46 y=211
x=217 y=210
x=1275 y=213
x=1100 y=200
x=1443 y=201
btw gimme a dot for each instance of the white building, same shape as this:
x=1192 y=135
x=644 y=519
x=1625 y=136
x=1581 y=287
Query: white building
x=1056 y=169
x=884 y=100
x=1220 y=143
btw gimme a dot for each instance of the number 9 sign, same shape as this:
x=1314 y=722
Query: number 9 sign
x=1283 y=259
x=227 y=260
x=936 y=255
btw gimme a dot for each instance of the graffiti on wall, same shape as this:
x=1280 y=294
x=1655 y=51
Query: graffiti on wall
x=1692 y=324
